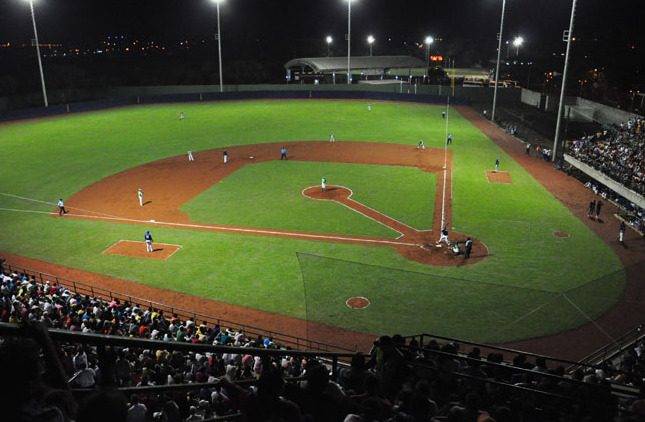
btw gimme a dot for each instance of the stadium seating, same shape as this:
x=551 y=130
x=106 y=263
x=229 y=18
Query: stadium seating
x=617 y=151
x=106 y=360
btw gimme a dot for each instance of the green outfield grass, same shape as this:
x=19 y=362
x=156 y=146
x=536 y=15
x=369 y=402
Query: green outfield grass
x=515 y=293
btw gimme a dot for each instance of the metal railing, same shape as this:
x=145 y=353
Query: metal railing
x=109 y=295
x=423 y=338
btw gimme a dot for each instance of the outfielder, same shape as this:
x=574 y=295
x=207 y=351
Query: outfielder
x=497 y=165
x=369 y=107
x=323 y=184
x=449 y=139
x=140 y=196
x=182 y=116
x=190 y=156
x=148 y=239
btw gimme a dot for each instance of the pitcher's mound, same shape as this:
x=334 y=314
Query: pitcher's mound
x=131 y=248
x=499 y=177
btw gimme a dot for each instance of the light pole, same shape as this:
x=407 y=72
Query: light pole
x=329 y=40
x=219 y=46
x=564 y=80
x=349 y=41
x=370 y=42
x=499 y=56
x=428 y=42
x=517 y=43
x=40 y=62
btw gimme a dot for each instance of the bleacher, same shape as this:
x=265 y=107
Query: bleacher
x=215 y=373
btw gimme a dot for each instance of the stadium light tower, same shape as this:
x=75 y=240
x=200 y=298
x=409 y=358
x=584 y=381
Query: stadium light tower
x=370 y=41
x=568 y=38
x=517 y=43
x=329 y=40
x=349 y=41
x=428 y=42
x=219 y=46
x=499 y=56
x=40 y=62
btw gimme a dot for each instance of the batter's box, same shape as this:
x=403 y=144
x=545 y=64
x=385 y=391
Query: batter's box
x=499 y=177
x=134 y=249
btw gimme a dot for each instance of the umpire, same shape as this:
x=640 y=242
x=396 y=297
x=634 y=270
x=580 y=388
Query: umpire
x=469 y=248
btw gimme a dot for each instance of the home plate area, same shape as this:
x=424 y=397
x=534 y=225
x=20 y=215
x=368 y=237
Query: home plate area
x=131 y=248
x=499 y=177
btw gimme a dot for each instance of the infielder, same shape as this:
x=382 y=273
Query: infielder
x=421 y=144
x=190 y=156
x=61 y=207
x=140 y=196
x=444 y=237
x=225 y=157
x=283 y=153
x=332 y=138
x=323 y=184
x=148 y=239
x=497 y=165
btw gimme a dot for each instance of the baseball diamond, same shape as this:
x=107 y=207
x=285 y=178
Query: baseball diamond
x=256 y=232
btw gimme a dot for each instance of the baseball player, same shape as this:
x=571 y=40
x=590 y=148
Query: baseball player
x=369 y=107
x=190 y=156
x=323 y=184
x=621 y=232
x=61 y=207
x=469 y=248
x=444 y=237
x=140 y=196
x=449 y=139
x=443 y=114
x=421 y=144
x=591 y=209
x=283 y=153
x=225 y=157
x=332 y=138
x=497 y=165
x=147 y=237
x=182 y=116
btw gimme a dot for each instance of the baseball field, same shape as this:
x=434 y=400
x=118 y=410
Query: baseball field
x=257 y=231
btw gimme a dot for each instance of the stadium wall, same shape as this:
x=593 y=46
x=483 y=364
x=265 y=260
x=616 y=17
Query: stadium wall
x=628 y=194
x=91 y=100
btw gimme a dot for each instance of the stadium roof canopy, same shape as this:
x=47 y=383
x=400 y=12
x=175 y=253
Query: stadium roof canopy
x=360 y=63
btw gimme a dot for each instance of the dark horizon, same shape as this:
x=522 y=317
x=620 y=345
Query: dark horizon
x=269 y=33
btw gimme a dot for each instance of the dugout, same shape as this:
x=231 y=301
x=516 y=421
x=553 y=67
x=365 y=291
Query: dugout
x=331 y=70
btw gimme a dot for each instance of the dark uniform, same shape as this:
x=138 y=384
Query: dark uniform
x=283 y=153
x=469 y=248
x=598 y=208
x=592 y=209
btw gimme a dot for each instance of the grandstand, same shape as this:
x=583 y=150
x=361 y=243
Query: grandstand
x=107 y=360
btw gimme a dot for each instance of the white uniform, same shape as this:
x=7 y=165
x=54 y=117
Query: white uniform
x=140 y=196
x=190 y=156
x=444 y=238
x=182 y=116
x=225 y=158
x=332 y=138
x=323 y=184
x=369 y=107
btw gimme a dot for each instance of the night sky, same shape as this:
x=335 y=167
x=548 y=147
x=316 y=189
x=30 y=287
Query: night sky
x=284 y=29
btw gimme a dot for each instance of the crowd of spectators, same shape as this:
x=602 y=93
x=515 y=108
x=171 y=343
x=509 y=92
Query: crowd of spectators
x=395 y=382
x=617 y=151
